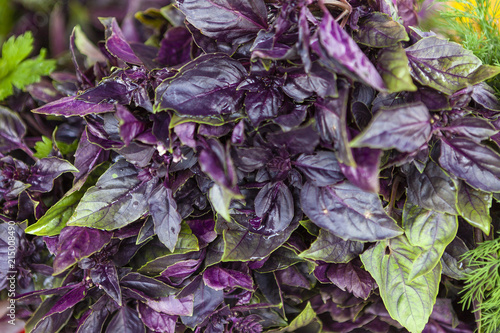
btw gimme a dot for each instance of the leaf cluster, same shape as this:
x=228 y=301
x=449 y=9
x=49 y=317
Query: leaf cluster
x=251 y=166
x=16 y=70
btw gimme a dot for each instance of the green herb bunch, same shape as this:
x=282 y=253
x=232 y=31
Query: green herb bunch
x=16 y=70
x=482 y=284
x=476 y=25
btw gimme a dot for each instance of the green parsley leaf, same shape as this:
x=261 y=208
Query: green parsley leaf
x=43 y=148
x=18 y=72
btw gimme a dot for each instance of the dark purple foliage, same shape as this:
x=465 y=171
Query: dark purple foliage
x=235 y=166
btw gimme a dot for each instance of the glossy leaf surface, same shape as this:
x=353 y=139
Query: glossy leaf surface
x=274 y=204
x=405 y=128
x=228 y=21
x=204 y=87
x=330 y=248
x=348 y=59
x=409 y=302
x=348 y=212
x=431 y=232
x=166 y=219
x=445 y=66
x=117 y=199
x=76 y=243
x=474 y=206
x=477 y=164
x=432 y=189
x=380 y=30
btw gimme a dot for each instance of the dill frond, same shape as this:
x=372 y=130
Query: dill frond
x=482 y=283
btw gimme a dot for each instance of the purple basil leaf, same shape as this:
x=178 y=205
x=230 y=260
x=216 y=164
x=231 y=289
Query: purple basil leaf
x=476 y=129
x=180 y=271
x=146 y=54
x=148 y=286
x=393 y=66
x=116 y=43
x=219 y=278
x=130 y=127
x=331 y=121
x=299 y=140
x=204 y=231
x=12 y=130
x=380 y=30
x=76 y=243
x=68 y=300
x=99 y=312
x=432 y=68
x=269 y=287
x=166 y=219
x=171 y=305
x=477 y=164
x=264 y=104
x=474 y=206
x=87 y=157
x=433 y=99
x=451 y=260
x=406 y=11
x=240 y=244
x=138 y=154
x=210 y=45
x=321 y=168
x=147 y=231
x=233 y=21
x=274 y=204
x=249 y=159
x=118 y=198
x=365 y=174
x=209 y=131
x=155 y=258
x=70 y=106
x=125 y=320
x=188 y=160
x=484 y=95
x=204 y=87
x=348 y=212
x=186 y=133
x=292 y=276
x=289 y=121
x=352 y=278
x=45 y=171
x=300 y=85
x=384 y=100
x=123 y=87
x=330 y=248
x=104 y=131
x=44 y=91
x=40 y=323
x=59 y=291
x=348 y=59
x=108 y=91
x=432 y=189
x=216 y=162
x=304 y=38
x=206 y=300
x=349 y=325
x=105 y=276
x=265 y=46
x=156 y=321
x=279 y=259
x=405 y=128
x=175 y=47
